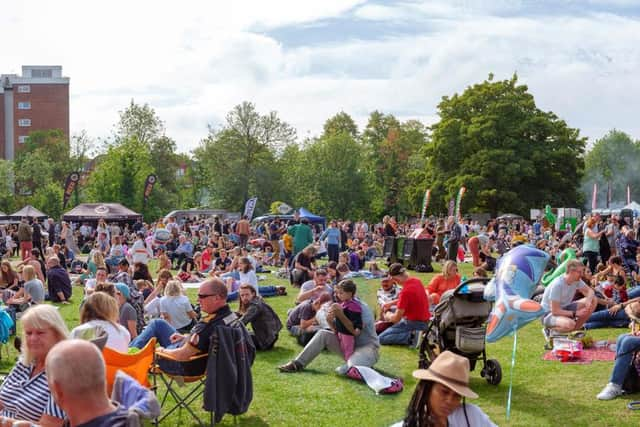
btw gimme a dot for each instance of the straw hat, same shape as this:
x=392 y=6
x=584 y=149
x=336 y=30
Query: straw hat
x=450 y=370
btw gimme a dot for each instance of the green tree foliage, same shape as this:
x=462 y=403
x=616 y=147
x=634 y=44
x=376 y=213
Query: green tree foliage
x=331 y=177
x=613 y=159
x=510 y=155
x=140 y=121
x=341 y=123
x=7 y=179
x=238 y=161
x=391 y=151
x=121 y=174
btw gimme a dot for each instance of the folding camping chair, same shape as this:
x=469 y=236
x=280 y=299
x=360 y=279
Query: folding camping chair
x=194 y=371
x=137 y=365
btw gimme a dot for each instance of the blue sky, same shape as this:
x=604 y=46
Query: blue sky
x=309 y=59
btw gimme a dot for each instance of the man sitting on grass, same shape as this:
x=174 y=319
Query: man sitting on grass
x=564 y=314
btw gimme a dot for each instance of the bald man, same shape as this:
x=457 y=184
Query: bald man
x=175 y=347
x=76 y=375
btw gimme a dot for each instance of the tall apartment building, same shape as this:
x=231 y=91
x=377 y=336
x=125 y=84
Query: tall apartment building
x=36 y=100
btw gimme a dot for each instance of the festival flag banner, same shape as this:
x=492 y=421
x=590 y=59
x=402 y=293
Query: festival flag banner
x=148 y=186
x=458 y=203
x=609 y=195
x=628 y=194
x=249 y=207
x=425 y=203
x=594 y=197
x=452 y=205
x=69 y=186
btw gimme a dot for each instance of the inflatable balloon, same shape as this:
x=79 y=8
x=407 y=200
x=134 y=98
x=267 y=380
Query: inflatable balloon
x=550 y=216
x=516 y=278
x=565 y=256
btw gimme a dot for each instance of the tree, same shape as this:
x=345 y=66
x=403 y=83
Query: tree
x=332 y=176
x=121 y=174
x=613 y=159
x=238 y=160
x=139 y=121
x=510 y=155
x=391 y=149
x=7 y=179
x=341 y=123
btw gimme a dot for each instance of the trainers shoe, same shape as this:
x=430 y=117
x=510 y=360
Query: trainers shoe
x=293 y=366
x=611 y=391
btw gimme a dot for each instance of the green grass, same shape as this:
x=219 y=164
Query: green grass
x=544 y=393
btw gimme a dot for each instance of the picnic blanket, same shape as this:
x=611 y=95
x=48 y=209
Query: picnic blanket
x=587 y=356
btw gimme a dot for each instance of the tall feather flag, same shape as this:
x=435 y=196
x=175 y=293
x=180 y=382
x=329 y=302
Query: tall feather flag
x=69 y=185
x=594 y=197
x=425 y=203
x=609 y=195
x=458 y=203
x=148 y=186
x=452 y=205
x=628 y=194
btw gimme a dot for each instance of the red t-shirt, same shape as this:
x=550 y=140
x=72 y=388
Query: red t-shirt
x=413 y=300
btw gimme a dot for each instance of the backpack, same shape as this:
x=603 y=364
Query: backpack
x=136 y=299
x=631 y=382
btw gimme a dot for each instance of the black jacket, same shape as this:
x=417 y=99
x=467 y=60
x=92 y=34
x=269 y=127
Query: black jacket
x=265 y=323
x=229 y=384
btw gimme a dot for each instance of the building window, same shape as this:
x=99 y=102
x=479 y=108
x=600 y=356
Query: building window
x=41 y=74
x=24 y=105
x=22 y=139
x=24 y=123
x=24 y=89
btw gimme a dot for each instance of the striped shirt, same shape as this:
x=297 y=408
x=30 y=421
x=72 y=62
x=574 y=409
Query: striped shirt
x=26 y=398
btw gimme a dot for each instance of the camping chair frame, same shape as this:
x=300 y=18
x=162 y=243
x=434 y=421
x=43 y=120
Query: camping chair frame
x=170 y=383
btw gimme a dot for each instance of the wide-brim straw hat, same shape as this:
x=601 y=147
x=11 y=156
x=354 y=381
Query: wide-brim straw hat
x=450 y=370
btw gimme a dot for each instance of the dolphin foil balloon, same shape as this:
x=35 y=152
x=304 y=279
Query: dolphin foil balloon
x=517 y=276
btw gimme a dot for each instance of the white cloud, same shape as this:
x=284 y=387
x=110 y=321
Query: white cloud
x=193 y=64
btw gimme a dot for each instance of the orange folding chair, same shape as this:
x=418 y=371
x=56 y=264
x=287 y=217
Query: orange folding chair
x=136 y=365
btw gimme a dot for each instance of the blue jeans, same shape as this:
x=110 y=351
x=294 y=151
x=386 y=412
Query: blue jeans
x=158 y=328
x=634 y=292
x=400 y=333
x=627 y=345
x=235 y=274
x=603 y=319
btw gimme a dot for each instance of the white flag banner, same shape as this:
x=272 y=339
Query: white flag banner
x=249 y=207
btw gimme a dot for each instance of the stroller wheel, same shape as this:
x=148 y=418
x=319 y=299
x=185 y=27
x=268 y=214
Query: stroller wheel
x=492 y=372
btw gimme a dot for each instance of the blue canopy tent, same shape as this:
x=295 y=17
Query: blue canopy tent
x=314 y=219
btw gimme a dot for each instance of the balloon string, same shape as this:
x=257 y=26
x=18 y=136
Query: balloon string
x=513 y=363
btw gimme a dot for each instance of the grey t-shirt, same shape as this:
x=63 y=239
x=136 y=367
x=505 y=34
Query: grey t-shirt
x=561 y=292
x=310 y=284
x=35 y=288
x=127 y=312
x=368 y=334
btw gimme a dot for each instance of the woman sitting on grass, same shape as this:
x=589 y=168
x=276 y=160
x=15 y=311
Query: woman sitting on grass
x=447 y=280
x=176 y=309
x=9 y=277
x=101 y=310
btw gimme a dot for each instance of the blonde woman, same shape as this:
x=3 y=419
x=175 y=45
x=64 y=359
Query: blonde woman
x=33 y=290
x=175 y=307
x=101 y=310
x=440 y=283
x=25 y=394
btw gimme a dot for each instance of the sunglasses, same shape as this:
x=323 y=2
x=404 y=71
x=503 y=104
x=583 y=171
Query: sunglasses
x=203 y=296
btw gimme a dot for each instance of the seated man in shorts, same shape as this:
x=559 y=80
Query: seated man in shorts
x=565 y=313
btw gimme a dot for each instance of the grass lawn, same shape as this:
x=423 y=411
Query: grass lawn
x=544 y=393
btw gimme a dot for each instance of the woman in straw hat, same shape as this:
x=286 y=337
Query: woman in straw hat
x=439 y=397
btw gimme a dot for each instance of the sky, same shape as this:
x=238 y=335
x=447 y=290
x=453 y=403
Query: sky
x=308 y=60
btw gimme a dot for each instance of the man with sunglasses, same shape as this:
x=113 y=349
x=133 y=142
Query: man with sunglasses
x=212 y=296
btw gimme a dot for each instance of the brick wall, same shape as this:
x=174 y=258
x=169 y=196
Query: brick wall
x=49 y=109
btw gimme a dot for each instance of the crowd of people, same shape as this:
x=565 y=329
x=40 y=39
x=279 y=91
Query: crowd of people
x=122 y=297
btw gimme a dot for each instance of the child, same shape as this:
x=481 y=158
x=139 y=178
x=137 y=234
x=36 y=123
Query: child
x=375 y=270
x=345 y=291
x=388 y=295
x=615 y=288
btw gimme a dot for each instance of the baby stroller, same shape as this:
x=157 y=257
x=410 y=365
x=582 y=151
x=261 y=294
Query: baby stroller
x=459 y=325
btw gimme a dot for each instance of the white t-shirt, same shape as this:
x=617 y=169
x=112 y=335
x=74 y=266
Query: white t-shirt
x=177 y=308
x=139 y=252
x=561 y=292
x=118 y=337
x=250 y=278
x=476 y=417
